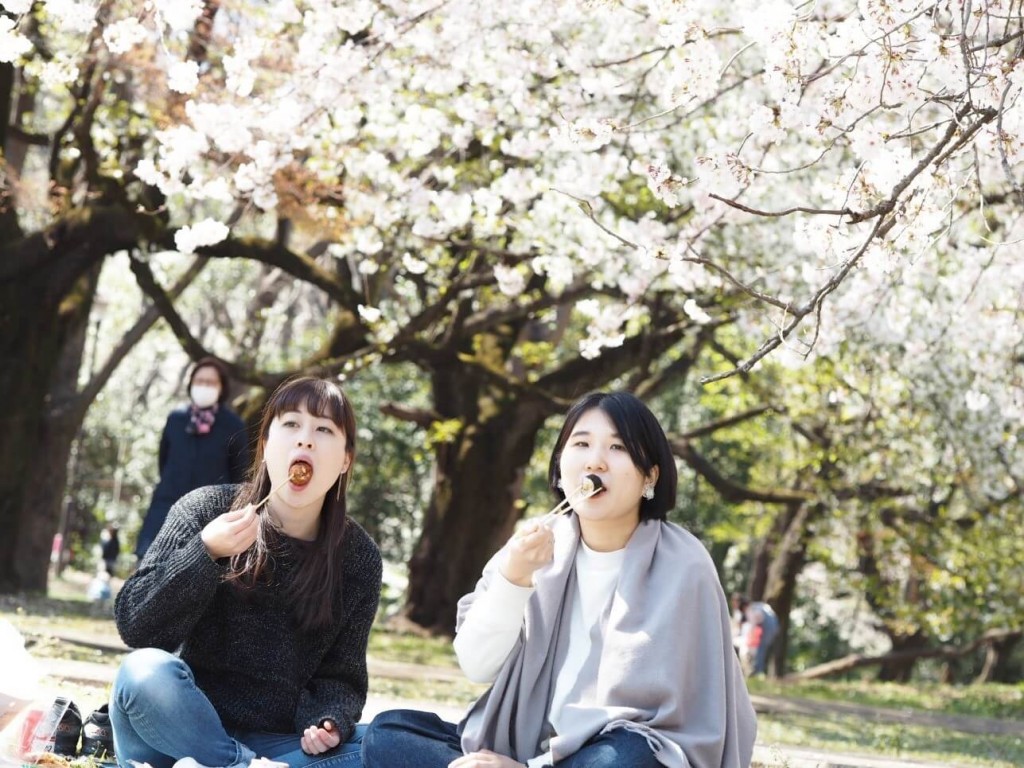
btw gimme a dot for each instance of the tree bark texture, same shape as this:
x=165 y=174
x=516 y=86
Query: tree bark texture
x=472 y=511
x=788 y=560
x=46 y=286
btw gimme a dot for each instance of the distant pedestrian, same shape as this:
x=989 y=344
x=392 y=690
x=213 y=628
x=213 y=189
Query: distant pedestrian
x=203 y=443
x=99 y=590
x=110 y=548
x=759 y=626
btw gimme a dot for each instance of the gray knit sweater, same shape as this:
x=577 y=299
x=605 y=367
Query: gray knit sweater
x=248 y=654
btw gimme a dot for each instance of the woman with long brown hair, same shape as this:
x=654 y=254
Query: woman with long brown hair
x=254 y=606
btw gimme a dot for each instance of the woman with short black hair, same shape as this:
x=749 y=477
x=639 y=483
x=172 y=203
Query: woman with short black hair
x=604 y=632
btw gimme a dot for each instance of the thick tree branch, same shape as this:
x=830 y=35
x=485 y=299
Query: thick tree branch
x=146 y=321
x=68 y=247
x=162 y=301
x=422 y=417
x=856 y=660
x=711 y=427
x=297 y=265
x=731 y=491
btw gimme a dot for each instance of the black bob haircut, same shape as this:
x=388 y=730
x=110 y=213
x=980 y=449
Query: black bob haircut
x=643 y=438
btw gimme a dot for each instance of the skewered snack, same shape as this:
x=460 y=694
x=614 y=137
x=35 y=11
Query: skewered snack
x=589 y=486
x=300 y=473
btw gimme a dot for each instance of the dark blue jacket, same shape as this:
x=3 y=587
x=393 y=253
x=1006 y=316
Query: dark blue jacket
x=189 y=461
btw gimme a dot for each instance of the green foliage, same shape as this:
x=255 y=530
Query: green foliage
x=445 y=431
x=391 y=478
x=814 y=637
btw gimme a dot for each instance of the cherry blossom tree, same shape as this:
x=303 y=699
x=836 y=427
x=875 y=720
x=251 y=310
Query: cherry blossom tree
x=529 y=200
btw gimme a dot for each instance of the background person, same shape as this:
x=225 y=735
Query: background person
x=605 y=636
x=110 y=548
x=759 y=628
x=253 y=622
x=203 y=443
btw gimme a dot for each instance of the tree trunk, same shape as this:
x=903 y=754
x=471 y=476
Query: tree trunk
x=46 y=286
x=46 y=482
x=901 y=667
x=997 y=666
x=472 y=510
x=788 y=561
x=43 y=333
x=9 y=227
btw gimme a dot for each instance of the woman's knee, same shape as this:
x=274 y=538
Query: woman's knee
x=616 y=748
x=149 y=670
x=406 y=720
x=402 y=731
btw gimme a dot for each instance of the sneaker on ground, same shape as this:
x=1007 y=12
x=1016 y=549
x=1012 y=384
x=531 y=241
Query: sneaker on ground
x=98 y=735
x=69 y=729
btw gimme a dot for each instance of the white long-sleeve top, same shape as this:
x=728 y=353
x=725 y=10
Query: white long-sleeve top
x=494 y=621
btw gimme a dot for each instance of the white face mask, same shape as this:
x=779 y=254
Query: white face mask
x=203 y=395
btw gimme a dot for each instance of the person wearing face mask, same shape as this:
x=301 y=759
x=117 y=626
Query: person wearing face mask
x=203 y=443
x=604 y=632
x=252 y=611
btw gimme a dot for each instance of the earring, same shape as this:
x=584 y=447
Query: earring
x=649 y=491
x=558 y=483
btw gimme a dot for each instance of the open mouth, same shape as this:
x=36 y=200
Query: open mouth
x=300 y=473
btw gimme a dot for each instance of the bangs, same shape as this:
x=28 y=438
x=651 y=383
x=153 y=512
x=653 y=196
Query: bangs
x=320 y=398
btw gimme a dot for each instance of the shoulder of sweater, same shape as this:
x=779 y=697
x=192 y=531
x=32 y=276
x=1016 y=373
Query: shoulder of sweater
x=210 y=499
x=360 y=549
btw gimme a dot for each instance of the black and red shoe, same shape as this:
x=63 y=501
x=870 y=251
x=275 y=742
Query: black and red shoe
x=98 y=736
x=69 y=729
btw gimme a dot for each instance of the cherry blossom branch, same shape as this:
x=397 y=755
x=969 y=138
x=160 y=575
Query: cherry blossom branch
x=722 y=271
x=786 y=212
x=882 y=226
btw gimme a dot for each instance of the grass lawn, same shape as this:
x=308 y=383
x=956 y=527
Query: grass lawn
x=65 y=611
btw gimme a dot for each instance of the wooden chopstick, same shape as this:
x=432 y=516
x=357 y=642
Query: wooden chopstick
x=566 y=503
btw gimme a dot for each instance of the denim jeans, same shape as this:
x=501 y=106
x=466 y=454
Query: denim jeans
x=769 y=629
x=405 y=738
x=159 y=715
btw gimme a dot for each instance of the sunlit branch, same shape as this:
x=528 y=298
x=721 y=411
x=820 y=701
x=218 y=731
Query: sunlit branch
x=785 y=212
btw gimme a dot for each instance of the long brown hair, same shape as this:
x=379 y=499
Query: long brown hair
x=318 y=581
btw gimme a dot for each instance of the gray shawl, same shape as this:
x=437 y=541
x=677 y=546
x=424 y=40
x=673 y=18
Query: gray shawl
x=662 y=663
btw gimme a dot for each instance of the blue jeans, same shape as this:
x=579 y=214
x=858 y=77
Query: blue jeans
x=769 y=629
x=405 y=738
x=159 y=715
